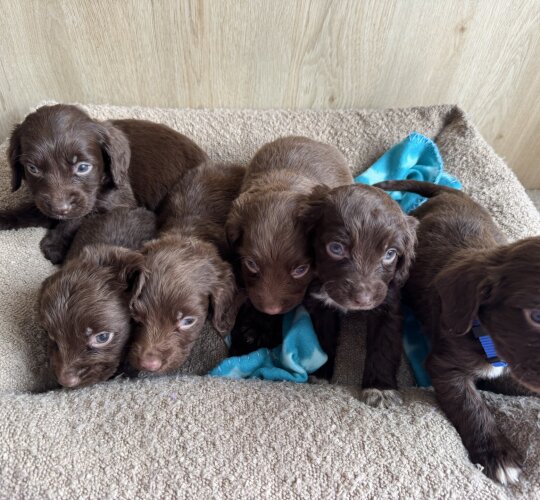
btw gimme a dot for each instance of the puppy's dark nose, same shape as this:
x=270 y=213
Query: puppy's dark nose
x=151 y=363
x=272 y=309
x=62 y=208
x=364 y=300
x=69 y=379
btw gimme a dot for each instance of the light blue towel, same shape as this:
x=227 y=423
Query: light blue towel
x=298 y=356
x=416 y=158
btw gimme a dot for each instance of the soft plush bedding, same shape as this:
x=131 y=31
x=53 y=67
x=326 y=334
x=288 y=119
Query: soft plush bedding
x=197 y=437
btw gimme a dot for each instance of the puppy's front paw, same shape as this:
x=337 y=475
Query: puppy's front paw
x=53 y=249
x=381 y=398
x=502 y=465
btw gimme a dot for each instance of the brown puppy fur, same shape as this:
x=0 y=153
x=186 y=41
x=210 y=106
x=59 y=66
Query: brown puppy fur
x=74 y=165
x=364 y=246
x=187 y=276
x=84 y=307
x=465 y=270
x=254 y=329
x=265 y=227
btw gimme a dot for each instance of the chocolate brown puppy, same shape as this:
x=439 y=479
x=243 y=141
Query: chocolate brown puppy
x=74 y=165
x=266 y=228
x=187 y=275
x=467 y=281
x=84 y=307
x=364 y=246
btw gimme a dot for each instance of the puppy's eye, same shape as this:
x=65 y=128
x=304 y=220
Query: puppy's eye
x=335 y=249
x=32 y=169
x=390 y=256
x=251 y=265
x=300 y=271
x=83 y=168
x=535 y=316
x=187 y=322
x=101 y=339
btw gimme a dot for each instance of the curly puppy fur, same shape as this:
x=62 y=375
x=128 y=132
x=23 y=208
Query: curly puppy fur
x=74 y=165
x=266 y=228
x=84 y=307
x=465 y=269
x=364 y=247
x=187 y=274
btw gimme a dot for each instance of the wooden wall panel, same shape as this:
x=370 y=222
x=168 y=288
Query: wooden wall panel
x=483 y=54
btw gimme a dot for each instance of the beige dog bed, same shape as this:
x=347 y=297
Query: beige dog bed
x=196 y=437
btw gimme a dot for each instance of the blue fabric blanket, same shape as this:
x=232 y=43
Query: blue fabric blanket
x=298 y=356
x=416 y=157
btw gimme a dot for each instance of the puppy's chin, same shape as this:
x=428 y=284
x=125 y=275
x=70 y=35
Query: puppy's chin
x=75 y=213
x=344 y=304
x=273 y=309
x=351 y=306
x=94 y=379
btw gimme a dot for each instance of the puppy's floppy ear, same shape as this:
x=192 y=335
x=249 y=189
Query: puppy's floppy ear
x=462 y=288
x=128 y=265
x=116 y=152
x=311 y=209
x=42 y=293
x=225 y=297
x=13 y=155
x=233 y=226
x=405 y=261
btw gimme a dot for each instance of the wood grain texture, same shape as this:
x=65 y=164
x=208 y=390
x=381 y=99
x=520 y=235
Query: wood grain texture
x=483 y=55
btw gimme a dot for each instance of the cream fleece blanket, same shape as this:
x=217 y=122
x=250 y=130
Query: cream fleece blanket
x=197 y=437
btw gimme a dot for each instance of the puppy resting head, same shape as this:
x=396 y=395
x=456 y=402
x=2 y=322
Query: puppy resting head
x=502 y=288
x=270 y=238
x=363 y=242
x=84 y=308
x=185 y=278
x=65 y=157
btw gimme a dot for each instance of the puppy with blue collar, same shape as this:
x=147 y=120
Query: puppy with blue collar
x=478 y=297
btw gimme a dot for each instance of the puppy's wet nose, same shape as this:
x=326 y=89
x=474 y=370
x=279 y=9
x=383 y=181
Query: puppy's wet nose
x=69 y=379
x=272 y=309
x=151 y=363
x=62 y=208
x=364 y=299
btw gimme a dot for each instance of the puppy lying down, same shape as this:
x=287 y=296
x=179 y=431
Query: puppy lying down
x=84 y=307
x=74 y=165
x=266 y=227
x=363 y=247
x=469 y=287
x=188 y=276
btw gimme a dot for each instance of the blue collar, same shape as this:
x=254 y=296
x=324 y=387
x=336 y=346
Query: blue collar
x=487 y=344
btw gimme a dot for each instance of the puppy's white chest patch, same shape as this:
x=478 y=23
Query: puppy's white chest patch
x=492 y=371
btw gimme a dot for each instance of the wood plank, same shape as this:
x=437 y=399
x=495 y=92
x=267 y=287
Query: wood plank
x=483 y=55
